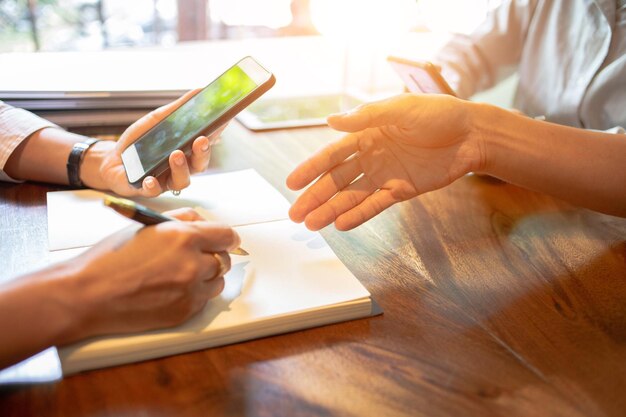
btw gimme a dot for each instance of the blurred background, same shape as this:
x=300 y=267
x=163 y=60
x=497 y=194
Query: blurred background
x=94 y=51
x=93 y=25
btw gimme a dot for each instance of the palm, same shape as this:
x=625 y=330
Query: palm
x=397 y=150
x=400 y=161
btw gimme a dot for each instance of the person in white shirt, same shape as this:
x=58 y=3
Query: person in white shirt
x=570 y=56
x=571 y=59
x=156 y=276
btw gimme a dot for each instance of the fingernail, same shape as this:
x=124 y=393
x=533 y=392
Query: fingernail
x=150 y=182
x=205 y=147
x=346 y=113
x=179 y=160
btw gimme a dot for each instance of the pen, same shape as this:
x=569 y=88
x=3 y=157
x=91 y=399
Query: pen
x=144 y=215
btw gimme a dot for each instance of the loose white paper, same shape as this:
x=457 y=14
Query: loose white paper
x=79 y=218
x=42 y=367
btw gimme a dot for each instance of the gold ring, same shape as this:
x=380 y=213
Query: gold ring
x=175 y=193
x=222 y=266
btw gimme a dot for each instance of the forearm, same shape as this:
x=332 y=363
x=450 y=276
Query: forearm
x=586 y=168
x=36 y=312
x=43 y=157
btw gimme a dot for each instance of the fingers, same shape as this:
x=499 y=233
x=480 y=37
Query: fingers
x=215 y=238
x=347 y=199
x=379 y=113
x=179 y=171
x=325 y=188
x=200 y=154
x=322 y=161
x=204 y=291
x=354 y=205
x=210 y=280
x=219 y=264
x=181 y=168
x=185 y=214
x=373 y=205
x=213 y=288
x=213 y=265
x=150 y=187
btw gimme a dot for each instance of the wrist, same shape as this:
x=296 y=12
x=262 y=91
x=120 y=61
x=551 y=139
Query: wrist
x=54 y=303
x=92 y=162
x=484 y=121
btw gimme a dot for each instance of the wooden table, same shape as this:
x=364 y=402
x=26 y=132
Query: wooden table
x=497 y=300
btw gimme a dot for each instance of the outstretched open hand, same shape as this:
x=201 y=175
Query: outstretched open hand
x=396 y=149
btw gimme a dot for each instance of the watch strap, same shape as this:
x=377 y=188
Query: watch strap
x=76 y=157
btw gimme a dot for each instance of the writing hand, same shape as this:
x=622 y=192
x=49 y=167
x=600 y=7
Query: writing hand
x=156 y=276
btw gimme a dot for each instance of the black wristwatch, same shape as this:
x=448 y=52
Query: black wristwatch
x=76 y=157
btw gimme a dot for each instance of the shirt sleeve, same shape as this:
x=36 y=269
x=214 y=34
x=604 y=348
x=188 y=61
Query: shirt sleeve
x=15 y=126
x=471 y=63
x=617 y=130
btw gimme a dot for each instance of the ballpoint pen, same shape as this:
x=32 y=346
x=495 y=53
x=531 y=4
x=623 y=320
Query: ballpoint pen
x=144 y=215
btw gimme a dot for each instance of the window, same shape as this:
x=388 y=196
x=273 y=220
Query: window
x=65 y=25
x=62 y=25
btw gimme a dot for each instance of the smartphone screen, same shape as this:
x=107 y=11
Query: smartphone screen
x=211 y=107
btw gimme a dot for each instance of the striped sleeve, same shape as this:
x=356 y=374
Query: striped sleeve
x=15 y=126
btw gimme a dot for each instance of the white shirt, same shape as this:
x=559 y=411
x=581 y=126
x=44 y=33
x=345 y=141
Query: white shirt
x=15 y=126
x=570 y=56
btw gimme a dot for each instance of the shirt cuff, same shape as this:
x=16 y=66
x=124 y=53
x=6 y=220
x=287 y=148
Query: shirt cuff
x=15 y=126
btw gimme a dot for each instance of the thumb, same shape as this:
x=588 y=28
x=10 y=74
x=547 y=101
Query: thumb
x=375 y=114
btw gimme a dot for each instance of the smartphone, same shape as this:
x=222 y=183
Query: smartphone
x=203 y=113
x=420 y=77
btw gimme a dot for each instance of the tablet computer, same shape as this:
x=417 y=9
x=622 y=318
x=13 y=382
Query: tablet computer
x=294 y=112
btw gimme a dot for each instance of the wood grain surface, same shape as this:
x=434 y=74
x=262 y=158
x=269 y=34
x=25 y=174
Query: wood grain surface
x=497 y=302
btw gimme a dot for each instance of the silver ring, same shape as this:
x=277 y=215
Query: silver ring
x=175 y=193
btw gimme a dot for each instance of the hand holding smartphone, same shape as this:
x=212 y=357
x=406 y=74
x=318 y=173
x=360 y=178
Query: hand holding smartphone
x=420 y=77
x=203 y=113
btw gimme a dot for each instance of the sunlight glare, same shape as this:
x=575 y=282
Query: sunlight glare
x=363 y=19
x=453 y=16
x=271 y=13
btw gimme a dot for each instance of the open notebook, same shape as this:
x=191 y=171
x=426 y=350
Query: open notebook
x=292 y=280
